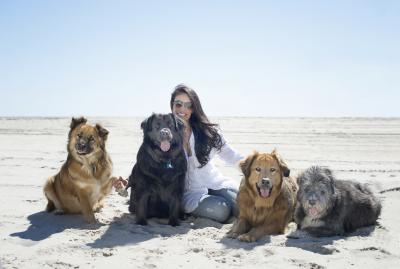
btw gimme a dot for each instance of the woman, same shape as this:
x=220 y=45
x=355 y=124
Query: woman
x=207 y=193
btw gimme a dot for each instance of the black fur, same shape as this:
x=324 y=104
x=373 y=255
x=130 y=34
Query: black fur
x=158 y=177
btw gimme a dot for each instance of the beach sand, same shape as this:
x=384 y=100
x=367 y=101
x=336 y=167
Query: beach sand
x=31 y=149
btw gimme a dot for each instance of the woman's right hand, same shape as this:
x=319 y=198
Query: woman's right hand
x=119 y=183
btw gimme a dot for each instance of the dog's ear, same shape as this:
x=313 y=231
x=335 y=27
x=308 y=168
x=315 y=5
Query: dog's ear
x=282 y=164
x=328 y=172
x=76 y=121
x=245 y=164
x=300 y=179
x=103 y=133
x=146 y=124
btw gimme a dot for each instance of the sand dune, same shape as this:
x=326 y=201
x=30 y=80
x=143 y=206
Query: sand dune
x=31 y=149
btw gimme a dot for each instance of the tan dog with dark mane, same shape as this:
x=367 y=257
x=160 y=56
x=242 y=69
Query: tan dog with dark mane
x=85 y=177
x=266 y=198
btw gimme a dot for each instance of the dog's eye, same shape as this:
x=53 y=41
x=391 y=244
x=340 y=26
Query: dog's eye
x=91 y=138
x=272 y=170
x=258 y=169
x=79 y=136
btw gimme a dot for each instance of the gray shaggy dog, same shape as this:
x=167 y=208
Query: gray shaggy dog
x=327 y=207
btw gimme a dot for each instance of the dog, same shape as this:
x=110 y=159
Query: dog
x=158 y=177
x=85 y=178
x=266 y=197
x=328 y=207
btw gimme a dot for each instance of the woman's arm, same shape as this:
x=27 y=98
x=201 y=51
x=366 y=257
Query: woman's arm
x=228 y=154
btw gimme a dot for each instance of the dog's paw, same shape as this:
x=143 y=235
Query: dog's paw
x=142 y=222
x=298 y=234
x=173 y=222
x=247 y=238
x=97 y=208
x=232 y=235
x=59 y=212
x=90 y=218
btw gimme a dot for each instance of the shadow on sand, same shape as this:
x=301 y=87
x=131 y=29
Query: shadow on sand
x=123 y=231
x=300 y=239
x=236 y=244
x=322 y=245
x=44 y=224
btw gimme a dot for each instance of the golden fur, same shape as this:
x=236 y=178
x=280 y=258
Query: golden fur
x=85 y=178
x=259 y=216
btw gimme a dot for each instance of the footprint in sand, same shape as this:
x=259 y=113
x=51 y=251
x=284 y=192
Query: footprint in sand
x=31 y=201
x=197 y=250
x=376 y=249
x=389 y=190
x=309 y=265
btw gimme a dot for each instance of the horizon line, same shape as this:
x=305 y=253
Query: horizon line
x=143 y=116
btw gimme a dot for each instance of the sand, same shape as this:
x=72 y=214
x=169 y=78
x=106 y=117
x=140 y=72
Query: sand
x=31 y=149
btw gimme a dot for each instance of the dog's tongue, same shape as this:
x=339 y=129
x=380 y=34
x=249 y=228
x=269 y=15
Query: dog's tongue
x=264 y=192
x=165 y=145
x=313 y=211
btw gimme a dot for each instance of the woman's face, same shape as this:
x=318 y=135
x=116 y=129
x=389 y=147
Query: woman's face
x=182 y=107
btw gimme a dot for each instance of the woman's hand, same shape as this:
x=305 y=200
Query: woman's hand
x=119 y=184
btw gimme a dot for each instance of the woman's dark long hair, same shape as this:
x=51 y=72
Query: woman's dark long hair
x=205 y=133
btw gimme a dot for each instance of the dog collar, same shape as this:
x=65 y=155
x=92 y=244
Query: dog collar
x=169 y=165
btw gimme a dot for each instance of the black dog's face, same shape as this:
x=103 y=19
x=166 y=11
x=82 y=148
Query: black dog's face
x=163 y=131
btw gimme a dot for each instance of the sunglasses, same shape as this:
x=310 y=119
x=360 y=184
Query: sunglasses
x=179 y=104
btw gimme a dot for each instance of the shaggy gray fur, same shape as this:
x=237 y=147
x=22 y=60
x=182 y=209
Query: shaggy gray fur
x=327 y=207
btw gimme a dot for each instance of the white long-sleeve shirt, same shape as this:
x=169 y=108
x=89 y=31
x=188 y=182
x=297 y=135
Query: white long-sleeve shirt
x=199 y=180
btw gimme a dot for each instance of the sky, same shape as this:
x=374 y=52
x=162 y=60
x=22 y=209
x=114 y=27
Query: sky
x=243 y=58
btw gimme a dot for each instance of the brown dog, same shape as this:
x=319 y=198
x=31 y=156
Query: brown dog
x=85 y=177
x=266 y=198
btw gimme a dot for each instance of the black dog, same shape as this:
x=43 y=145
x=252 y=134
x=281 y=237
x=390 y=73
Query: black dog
x=158 y=177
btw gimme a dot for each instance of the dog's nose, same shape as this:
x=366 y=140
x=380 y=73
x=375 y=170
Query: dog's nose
x=265 y=182
x=312 y=199
x=81 y=145
x=165 y=132
x=312 y=202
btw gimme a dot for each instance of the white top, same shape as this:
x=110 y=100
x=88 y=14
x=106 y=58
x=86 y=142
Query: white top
x=199 y=180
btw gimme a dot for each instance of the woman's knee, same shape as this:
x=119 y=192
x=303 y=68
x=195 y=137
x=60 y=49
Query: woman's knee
x=230 y=196
x=222 y=211
x=215 y=208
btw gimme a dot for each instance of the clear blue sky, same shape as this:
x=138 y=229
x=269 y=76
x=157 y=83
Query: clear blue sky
x=244 y=58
